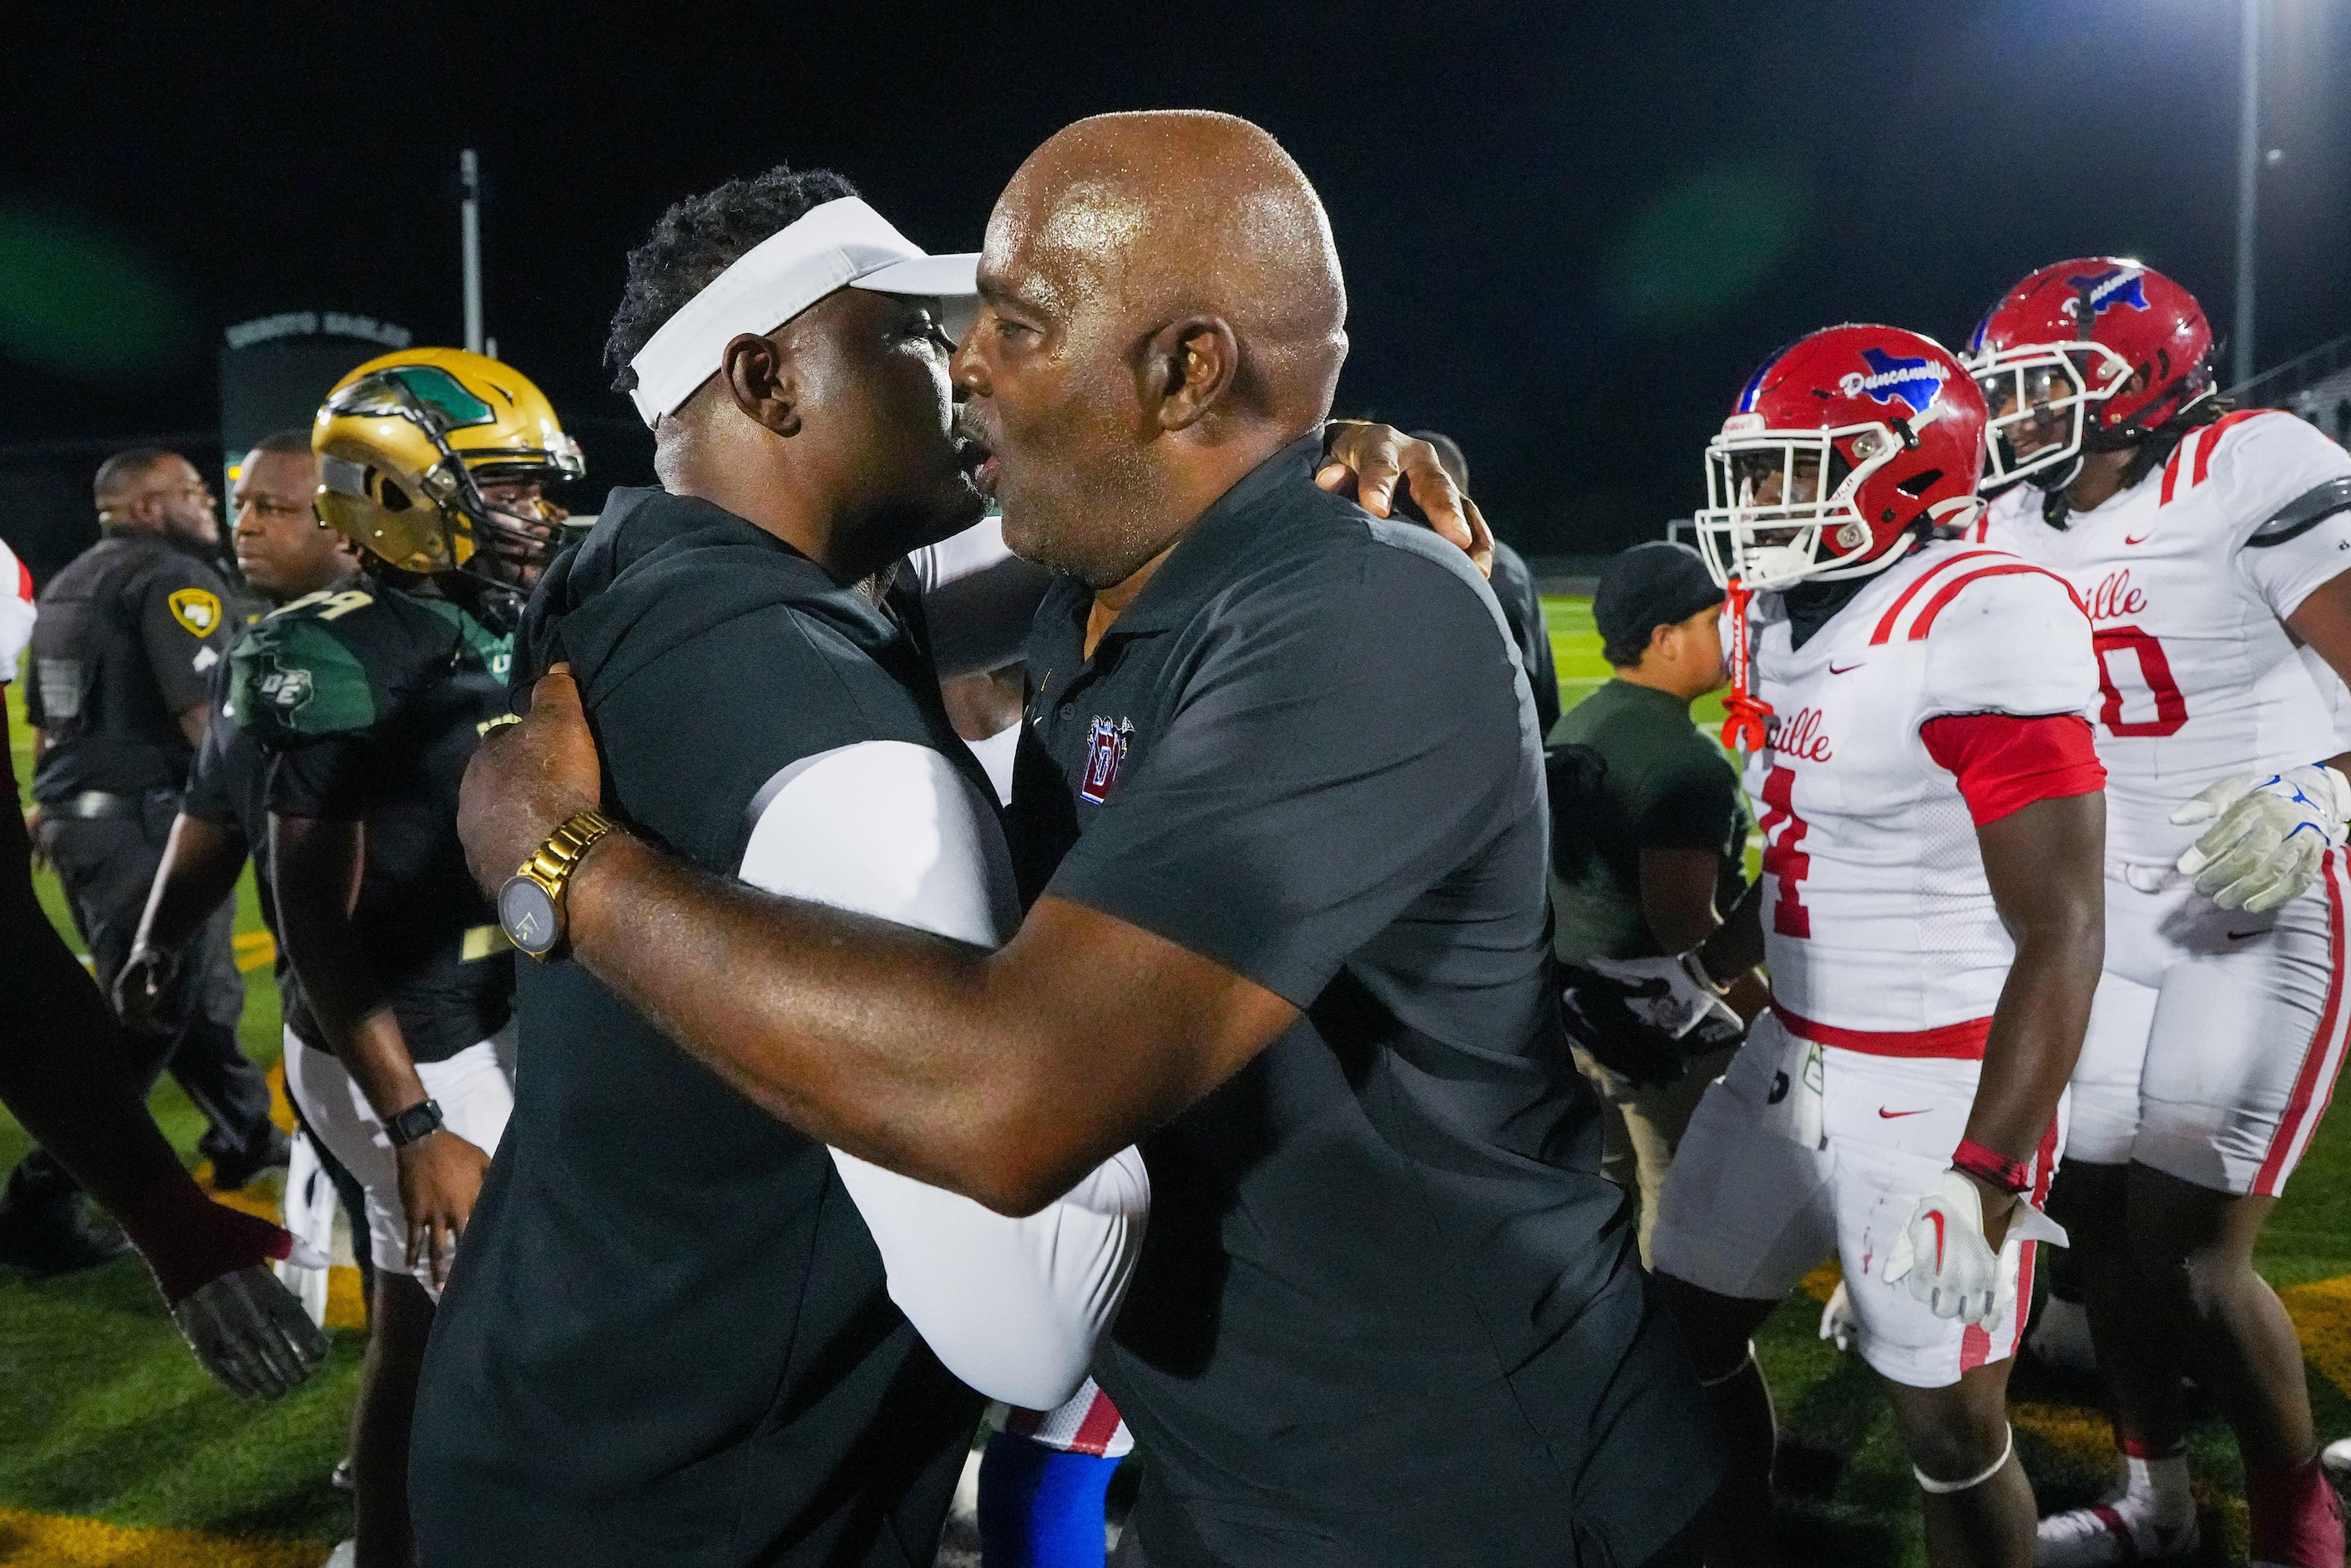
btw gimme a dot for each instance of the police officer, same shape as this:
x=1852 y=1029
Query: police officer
x=126 y=640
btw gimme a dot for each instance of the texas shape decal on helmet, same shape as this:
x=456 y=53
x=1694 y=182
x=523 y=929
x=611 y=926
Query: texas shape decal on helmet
x=1917 y=382
x=2104 y=290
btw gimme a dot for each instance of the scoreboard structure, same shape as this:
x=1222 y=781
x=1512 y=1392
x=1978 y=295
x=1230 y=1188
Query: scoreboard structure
x=274 y=371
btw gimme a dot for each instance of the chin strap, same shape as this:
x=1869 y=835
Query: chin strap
x=1743 y=729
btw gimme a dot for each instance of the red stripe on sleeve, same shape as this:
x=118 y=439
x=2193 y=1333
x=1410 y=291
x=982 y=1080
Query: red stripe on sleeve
x=1925 y=622
x=24 y=581
x=2004 y=763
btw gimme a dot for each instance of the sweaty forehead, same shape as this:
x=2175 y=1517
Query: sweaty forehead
x=1052 y=242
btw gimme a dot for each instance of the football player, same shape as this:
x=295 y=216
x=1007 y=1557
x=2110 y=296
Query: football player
x=367 y=699
x=2207 y=544
x=1912 y=719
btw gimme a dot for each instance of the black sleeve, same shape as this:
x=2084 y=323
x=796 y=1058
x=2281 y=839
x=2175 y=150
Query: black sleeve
x=1342 y=745
x=183 y=623
x=1514 y=587
x=324 y=779
x=207 y=798
x=1686 y=802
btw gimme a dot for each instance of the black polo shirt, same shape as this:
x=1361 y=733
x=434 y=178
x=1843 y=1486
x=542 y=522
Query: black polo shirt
x=1388 y=1310
x=668 y=1337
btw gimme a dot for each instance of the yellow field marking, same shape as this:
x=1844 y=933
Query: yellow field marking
x=1822 y=1281
x=2322 y=1316
x=254 y=950
x=46 y=1541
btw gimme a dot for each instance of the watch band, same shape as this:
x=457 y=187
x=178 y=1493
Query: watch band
x=419 y=1121
x=549 y=868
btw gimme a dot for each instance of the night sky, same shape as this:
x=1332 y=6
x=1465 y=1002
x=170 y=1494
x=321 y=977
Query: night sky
x=1569 y=233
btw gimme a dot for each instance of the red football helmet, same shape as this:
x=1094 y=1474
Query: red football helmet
x=2089 y=353
x=1848 y=438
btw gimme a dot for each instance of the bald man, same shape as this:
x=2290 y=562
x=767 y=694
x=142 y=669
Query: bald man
x=1387 y=1311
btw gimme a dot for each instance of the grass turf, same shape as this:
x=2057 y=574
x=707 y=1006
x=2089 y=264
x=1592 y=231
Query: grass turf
x=103 y=1416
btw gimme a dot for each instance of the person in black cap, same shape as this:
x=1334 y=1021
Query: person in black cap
x=1647 y=851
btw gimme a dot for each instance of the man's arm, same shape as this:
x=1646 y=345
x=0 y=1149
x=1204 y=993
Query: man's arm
x=1004 y=1076
x=316 y=863
x=201 y=862
x=918 y=1053
x=2323 y=621
x=1677 y=895
x=194 y=722
x=2045 y=865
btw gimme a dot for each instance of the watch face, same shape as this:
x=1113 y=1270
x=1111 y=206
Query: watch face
x=528 y=916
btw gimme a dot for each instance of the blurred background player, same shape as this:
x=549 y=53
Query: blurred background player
x=1514 y=588
x=283 y=552
x=1648 y=840
x=128 y=635
x=367 y=701
x=2207 y=544
x=1928 y=906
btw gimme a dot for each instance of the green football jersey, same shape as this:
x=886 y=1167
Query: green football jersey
x=367 y=700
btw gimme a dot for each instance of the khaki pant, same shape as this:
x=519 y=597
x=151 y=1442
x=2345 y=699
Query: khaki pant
x=1641 y=1129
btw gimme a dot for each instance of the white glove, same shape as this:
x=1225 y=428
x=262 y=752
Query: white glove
x=1685 y=1006
x=2270 y=836
x=1838 y=1324
x=1951 y=1268
x=250 y=1333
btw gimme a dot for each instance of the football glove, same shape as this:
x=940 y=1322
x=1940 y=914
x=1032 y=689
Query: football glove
x=1601 y=1016
x=250 y=1333
x=2267 y=837
x=1942 y=1254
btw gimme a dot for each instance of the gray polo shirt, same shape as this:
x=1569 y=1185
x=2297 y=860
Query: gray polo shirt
x=1387 y=1311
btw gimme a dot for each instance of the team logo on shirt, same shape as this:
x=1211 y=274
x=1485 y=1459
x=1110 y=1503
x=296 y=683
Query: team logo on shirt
x=2104 y=290
x=1917 y=382
x=1106 y=743
x=198 y=609
x=287 y=691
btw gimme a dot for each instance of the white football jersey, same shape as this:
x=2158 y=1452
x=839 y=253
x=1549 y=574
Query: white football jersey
x=17 y=612
x=2199 y=681
x=1879 y=923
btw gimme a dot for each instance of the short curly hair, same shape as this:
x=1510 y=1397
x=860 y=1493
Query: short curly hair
x=697 y=239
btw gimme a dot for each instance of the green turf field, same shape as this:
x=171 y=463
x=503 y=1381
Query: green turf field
x=114 y=1448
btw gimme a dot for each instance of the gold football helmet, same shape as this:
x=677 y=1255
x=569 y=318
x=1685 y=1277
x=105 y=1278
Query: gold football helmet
x=405 y=444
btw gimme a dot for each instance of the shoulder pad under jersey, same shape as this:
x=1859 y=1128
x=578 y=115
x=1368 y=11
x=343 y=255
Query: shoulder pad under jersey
x=293 y=677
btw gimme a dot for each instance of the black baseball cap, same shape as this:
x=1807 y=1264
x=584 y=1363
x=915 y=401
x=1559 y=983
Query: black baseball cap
x=1649 y=586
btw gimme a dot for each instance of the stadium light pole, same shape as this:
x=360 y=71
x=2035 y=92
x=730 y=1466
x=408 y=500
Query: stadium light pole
x=469 y=233
x=2249 y=171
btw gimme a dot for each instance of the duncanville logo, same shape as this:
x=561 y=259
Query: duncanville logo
x=1916 y=382
x=2114 y=596
x=2104 y=290
x=1803 y=736
x=1106 y=744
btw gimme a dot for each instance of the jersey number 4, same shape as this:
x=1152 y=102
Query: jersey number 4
x=2136 y=658
x=1783 y=832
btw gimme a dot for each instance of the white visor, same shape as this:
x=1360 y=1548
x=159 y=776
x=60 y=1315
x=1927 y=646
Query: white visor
x=843 y=244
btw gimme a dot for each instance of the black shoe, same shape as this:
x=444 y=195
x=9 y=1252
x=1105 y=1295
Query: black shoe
x=231 y=1172
x=55 y=1238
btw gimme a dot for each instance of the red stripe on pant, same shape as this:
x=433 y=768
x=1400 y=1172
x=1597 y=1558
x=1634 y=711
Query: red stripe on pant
x=2314 y=1086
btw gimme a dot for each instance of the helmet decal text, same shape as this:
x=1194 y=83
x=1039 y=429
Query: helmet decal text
x=1917 y=382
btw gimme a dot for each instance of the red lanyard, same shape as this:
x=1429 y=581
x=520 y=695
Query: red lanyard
x=1743 y=727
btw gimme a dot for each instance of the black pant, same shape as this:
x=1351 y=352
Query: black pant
x=107 y=866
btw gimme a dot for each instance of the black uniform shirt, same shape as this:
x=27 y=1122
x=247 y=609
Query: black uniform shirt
x=368 y=701
x=669 y=1338
x=226 y=786
x=1522 y=601
x=128 y=635
x=1388 y=1310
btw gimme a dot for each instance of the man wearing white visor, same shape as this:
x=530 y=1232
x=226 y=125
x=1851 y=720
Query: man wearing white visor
x=679 y=1329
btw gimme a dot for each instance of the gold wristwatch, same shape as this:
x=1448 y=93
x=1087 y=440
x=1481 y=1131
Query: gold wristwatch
x=531 y=905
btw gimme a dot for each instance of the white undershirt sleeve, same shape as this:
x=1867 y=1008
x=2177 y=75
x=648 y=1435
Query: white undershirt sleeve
x=1013 y=1307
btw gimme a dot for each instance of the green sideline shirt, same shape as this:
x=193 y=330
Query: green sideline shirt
x=1667 y=787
